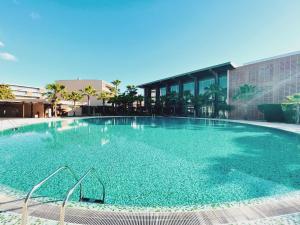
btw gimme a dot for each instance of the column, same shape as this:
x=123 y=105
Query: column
x=180 y=85
x=157 y=95
x=23 y=109
x=168 y=89
x=31 y=109
x=147 y=97
x=196 y=88
x=216 y=76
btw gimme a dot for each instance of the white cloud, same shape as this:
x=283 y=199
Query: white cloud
x=1 y=44
x=35 y=15
x=8 y=57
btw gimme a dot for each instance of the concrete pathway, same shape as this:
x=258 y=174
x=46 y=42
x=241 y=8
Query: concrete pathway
x=273 y=207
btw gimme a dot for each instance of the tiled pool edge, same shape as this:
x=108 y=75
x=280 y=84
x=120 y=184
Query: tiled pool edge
x=286 y=127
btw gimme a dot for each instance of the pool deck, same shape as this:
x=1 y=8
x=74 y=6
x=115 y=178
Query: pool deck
x=239 y=213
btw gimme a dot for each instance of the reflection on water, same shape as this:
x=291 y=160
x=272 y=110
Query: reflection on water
x=71 y=124
x=155 y=161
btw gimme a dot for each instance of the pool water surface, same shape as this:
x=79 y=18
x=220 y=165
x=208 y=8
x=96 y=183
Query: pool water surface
x=151 y=162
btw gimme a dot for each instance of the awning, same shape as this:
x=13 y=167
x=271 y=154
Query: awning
x=220 y=68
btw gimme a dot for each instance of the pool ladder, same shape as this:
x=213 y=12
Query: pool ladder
x=78 y=183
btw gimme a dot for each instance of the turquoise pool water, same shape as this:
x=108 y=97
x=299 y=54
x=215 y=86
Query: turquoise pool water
x=154 y=161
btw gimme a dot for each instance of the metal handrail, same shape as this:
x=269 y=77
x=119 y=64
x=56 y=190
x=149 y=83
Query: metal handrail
x=38 y=185
x=70 y=192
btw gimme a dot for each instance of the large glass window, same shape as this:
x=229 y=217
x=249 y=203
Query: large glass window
x=223 y=85
x=163 y=91
x=174 y=89
x=153 y=96
x=189 y=87
x=204 y=84
x=223 y=81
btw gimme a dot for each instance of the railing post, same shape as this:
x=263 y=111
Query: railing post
x=62 y=215
x=25 y=206
x=24 y=214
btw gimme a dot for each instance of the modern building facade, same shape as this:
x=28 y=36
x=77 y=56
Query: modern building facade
x=274 y=79
x=28 y=102
x=77 y=85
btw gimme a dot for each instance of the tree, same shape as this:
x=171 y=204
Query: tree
x=139 y=100
x=115 y=92
x=244 y=94
x=55 y=92
x=114 y=100
x=187 y=100
x=116 y=84
x=293 y=102
x=161 y=104
x=104 y=96
x=75 y=97
x=89 y=91
x=130 y=95
x=198 y=101
x=215 y=95
x=6 y=92
x=172 y=101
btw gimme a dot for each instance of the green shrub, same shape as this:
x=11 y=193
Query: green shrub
x=289 y=113
x=272 y=112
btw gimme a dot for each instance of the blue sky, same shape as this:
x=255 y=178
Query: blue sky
x=139 y=40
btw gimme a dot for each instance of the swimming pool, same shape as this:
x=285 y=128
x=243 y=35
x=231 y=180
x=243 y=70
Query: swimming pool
x=154 y=161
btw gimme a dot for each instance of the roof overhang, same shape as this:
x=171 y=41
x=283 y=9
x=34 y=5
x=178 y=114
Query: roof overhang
x=25 y=100
x=220 y=68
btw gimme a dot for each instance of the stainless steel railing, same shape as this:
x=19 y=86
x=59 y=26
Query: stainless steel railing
x=38 y=185
x=70 y=192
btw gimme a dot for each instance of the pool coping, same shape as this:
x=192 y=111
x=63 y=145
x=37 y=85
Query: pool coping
x=251 y=205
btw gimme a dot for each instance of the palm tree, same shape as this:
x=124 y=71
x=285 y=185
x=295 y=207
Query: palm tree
x=215 y=94
x=114 y=100
x=139 y=100
x=75 y=97
x=173 y=100
x=186 y=101
x=6 y=92
x=104 y=96
x=293 y=102
x=198 y=101
x=130 y=95
x=115 y=91
x=116 y=84
x=245 y=93
x=124 y=100
x=161 y=104
x=89 y=91
x=55 y=92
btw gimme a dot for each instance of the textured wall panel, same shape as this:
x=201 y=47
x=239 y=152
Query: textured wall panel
x=275 y=79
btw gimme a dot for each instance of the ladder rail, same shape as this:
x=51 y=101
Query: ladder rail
x=71 y=190
x=37 y=186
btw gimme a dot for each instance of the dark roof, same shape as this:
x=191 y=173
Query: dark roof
x=216 y=68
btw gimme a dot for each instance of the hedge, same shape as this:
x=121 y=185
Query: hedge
x=272 y=112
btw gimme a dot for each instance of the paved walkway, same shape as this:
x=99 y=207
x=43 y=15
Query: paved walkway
x=244 y=213
x=8 y=123
x=239 y=213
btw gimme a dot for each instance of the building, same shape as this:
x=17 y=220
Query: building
x=77 y=85
x=28 y=102
x=275 y=78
